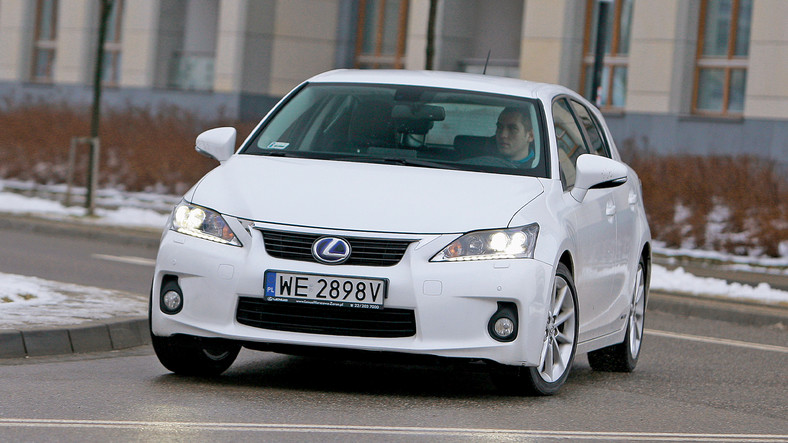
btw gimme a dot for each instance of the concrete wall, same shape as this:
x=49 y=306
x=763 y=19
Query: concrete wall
x=16 y=39
x=76 y=36
x=651 y=56
x=244 y=46
x=767 y=76
x=671 y=134
x=304 y=41
x=139 y=43
x=552 y=42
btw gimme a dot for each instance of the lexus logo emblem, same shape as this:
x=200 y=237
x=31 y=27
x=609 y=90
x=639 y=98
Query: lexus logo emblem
x=331 y=250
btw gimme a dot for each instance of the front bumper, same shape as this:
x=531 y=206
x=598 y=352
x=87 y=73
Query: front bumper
x=452 y=303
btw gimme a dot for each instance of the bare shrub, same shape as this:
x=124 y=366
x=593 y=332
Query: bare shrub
x=140 y=150
x=743 y=197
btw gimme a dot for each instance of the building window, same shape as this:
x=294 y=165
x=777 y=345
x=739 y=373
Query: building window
x=380 y=42
x=111 y=70
x=612 y=88
x=723 y=51
x=192 y=57
x=45 y=41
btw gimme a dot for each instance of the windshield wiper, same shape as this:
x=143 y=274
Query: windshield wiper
x=364 y=159
x=408 y=162
x=278 y=154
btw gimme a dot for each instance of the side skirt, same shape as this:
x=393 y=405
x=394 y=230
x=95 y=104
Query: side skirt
x=593 y=344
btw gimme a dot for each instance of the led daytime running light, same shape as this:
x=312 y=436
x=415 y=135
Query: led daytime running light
x=495 y=244
x=202 y=223
x=200 y=234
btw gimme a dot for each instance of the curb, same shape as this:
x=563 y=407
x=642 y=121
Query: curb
x=148 y=237
x=88 y=337
x=743 y=313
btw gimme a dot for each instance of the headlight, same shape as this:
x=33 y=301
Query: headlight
x=202 y=223
x=490 y=245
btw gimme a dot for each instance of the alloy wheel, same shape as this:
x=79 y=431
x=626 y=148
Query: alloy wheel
x=559 y=333
x=637 y=313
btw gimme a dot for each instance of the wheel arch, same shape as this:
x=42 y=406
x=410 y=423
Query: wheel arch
x=566 y=259
x=645 y=255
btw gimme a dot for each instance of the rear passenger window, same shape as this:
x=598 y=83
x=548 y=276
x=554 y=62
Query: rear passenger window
x=569 y=139
x=591 y=126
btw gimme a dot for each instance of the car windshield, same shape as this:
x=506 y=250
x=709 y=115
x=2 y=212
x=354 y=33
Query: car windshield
x=408 y=125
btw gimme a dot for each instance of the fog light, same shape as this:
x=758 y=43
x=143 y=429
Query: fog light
x=172 y=301
x=504 y=327
x=503 y=324
x=170 y=296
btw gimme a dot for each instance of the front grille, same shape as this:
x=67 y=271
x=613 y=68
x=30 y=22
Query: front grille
x=365 y=251
x=315 y=319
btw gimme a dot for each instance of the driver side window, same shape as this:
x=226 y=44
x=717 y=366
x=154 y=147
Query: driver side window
x=569 y=140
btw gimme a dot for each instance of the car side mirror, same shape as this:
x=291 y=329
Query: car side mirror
x=217 y=143
x=597 y=172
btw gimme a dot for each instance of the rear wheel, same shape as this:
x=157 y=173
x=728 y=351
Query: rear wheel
x=558 y=346
x=623 y=357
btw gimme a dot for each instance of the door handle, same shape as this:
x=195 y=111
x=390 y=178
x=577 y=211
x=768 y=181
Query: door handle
x=610 y=208
x=633 y=198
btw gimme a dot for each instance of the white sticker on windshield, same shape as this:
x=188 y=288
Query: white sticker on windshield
x=278 y=145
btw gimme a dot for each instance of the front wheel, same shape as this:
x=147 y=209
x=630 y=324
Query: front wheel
x=623 y=357
x=187 y=357
x=558 y=346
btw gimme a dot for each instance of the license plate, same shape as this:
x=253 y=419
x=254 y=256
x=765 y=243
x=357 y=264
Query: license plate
x=329 y=290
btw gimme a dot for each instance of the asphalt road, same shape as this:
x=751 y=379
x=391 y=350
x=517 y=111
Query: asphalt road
x=683 y=390
x=88 y=256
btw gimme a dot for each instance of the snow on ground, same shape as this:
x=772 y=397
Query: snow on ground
x=734 y=262
x=681 y=282
x=58 y=303
x=31 y=301
x=136 y=210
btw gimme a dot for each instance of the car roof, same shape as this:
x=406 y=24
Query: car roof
x=440 y=79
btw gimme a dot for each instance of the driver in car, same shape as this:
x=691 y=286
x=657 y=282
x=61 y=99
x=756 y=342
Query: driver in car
x=514 y=136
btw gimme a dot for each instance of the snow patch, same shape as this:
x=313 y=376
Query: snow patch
x=30 y=301
x=679 y=281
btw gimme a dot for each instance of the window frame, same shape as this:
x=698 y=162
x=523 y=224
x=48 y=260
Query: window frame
x=40 y=45
x=610 y=61
x=377 y=59
x=112 y=48
x=728 y=64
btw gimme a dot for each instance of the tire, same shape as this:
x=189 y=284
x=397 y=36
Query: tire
x=623 y=357
x=194 y=357
x=191 y=357
x=558 y=348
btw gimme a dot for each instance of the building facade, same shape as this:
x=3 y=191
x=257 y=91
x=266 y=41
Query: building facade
x=697 y=76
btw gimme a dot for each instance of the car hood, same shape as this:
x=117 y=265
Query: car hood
x=363 y=196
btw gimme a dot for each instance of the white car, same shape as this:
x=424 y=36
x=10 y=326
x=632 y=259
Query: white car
x=411 y=213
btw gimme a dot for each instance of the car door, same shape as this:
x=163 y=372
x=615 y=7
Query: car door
x=594 y=226
x=625 y=200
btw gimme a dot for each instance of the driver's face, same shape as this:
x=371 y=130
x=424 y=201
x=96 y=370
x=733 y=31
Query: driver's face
x=511 y=136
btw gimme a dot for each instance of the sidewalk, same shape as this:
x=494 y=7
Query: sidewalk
x=72 y=335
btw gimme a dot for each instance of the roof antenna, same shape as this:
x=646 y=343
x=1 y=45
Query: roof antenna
x=486 y=62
